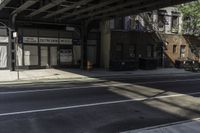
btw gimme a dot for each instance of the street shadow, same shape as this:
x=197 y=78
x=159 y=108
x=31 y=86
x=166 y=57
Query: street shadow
x=141 y=108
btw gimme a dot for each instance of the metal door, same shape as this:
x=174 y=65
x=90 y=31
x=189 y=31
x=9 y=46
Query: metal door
x=54 y=54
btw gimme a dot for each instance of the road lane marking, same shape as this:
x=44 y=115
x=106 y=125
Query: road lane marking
x=94 y=86
x=94 y=104
x=60 y=89
x=169 y=81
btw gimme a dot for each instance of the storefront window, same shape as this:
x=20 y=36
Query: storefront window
x=54 y=54
x=44 y=56
x=66 y=56
x=30 y=55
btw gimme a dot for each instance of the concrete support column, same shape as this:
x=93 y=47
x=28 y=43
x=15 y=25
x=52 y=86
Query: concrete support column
x=11 y=47
x=84 y=38
x=11 y=51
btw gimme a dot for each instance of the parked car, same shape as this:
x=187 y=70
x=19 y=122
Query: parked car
x=191 y=65
x=196 y=66
x=187 y=65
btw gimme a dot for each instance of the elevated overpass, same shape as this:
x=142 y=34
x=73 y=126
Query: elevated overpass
x=74 y=12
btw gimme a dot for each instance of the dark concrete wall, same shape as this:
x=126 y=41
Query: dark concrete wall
x=138 y=40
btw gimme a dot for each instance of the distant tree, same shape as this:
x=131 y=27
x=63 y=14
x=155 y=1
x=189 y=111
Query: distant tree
x=191 y=15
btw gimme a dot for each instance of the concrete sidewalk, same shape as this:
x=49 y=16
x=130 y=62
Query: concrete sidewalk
x=191 y=126
x=55 y=74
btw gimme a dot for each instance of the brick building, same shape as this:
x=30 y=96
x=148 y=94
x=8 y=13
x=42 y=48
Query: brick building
x=155 y=36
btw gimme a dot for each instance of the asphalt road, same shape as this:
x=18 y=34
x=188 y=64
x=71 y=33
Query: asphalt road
x=106 y=105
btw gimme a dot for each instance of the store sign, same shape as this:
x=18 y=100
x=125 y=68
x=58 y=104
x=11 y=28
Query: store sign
x=32 y=40
x=70 y=28
x=3 y=39
x=43 y=40
x=65 y=41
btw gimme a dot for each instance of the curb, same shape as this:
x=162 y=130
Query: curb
x=161 y=126
x=86 y=78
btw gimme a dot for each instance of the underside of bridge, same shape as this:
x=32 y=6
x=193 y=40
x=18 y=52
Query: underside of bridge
x=78 y=13
x=74 y=11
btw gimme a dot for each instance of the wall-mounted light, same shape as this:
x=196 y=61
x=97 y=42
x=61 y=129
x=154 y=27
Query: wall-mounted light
x=14 y=34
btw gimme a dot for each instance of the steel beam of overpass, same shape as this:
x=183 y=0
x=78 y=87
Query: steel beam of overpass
x=80 y=9
x=46 y=7
x=89 y=9
x=3 y=3
x=24 y=6
x=118 y=7
x=115 y=11
x=63 y=10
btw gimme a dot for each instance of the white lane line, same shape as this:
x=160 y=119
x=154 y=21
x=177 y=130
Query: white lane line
x=94 y=86
x=168 y=81
x=60 y=89
x=93 y=104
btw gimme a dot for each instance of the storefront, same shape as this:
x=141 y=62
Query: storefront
x=40 y=52
x=47 y=48
x=44 y=49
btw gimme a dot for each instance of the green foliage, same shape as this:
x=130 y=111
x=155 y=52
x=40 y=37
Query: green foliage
x=191 y=14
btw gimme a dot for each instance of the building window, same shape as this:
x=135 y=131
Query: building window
x=182 y=51
x=161 y=22
x=150 y=51
x=30 y=55
x=174 y=49
x=175 y=24
x=119 y=51
x=150 y=16
x=132 y=51
x=149 y=21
